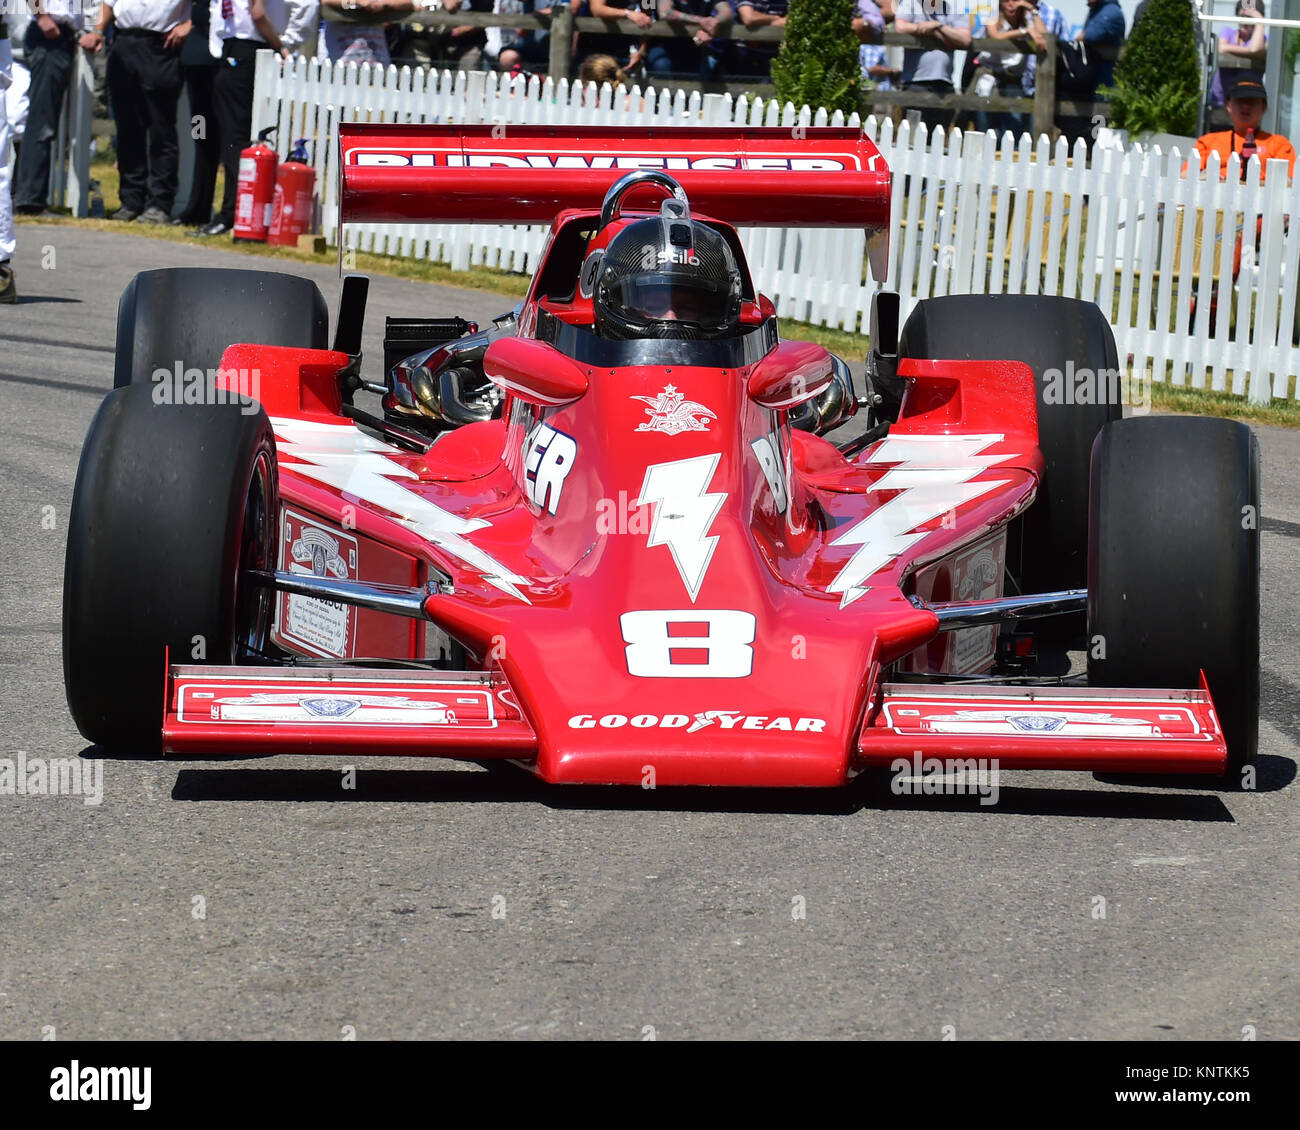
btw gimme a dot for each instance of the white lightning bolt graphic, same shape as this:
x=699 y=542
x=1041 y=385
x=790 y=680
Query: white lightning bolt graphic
x=356 y=464
x=933 y=476
x=684 y=514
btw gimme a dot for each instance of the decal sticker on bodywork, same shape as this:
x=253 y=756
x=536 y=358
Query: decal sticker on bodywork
x=683 y=513
x=318 y=627
x=671 y=413
x=361 y=706
x=1145 y=721
x=657 y=646
x=767 y=450
x=725 y=719
x=933 y=477
x=357 y=465
x=549 y=456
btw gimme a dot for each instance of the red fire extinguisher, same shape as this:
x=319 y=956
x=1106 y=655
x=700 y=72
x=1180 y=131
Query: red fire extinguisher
x=295 y=198
x=256 y=187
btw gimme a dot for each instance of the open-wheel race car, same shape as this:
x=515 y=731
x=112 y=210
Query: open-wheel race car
x=628 y=532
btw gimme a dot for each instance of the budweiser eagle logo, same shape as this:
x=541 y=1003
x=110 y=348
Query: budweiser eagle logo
x=670 y=412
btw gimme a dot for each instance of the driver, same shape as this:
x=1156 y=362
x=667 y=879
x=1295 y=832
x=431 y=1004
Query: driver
x=667 y=277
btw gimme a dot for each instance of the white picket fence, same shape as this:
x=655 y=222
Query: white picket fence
x=969 y=215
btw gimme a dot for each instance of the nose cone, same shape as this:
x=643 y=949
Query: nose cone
x=671 y=644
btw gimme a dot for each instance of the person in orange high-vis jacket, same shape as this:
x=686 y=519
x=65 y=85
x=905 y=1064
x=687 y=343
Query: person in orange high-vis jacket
x=1246 y=102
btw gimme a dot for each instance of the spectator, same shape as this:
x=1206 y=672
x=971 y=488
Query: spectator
x=348 y=42
x=526 y=48
x=1104 y=27
x=414 y=44
x=464 y=45
x=507 y=47
x=869 y=20
x=1043 y=19
x=931 y=69
x=631 y=54
x=1004 y=71
x=1081 y=72
x=1247 y=100
x=8 y=288
x=701 y=54
x=602 y=70
x=244 y=28
x=1242 y=41
x=199 y=71
x=756 y=58
x=47 y=50
x=874 y=60
x=144 y=82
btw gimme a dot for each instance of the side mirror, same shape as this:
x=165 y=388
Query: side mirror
x=795 y=371
x=534 y=371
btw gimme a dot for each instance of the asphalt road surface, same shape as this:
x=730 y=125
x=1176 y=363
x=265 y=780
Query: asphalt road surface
x=257 y=898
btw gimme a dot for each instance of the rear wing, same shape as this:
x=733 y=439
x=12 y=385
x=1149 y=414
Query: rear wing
x=508 y=174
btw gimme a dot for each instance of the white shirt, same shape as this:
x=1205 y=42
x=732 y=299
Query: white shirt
x=148 y=15
x=65 y=12
x=294 y=21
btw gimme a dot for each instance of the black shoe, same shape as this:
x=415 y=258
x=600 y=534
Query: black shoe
x=214 y=228
x=8 y=291
x=153 y=215
x=125 y=214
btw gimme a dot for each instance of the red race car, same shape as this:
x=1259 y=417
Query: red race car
x=629 y=535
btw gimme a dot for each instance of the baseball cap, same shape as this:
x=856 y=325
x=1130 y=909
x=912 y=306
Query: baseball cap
x=1247 y=88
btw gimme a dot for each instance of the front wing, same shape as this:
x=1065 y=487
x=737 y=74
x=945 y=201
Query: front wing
x=1089 y=728
x=475 y=715
x=243 y=710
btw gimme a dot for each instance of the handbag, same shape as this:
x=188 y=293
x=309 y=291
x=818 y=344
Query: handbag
x=1077 y=69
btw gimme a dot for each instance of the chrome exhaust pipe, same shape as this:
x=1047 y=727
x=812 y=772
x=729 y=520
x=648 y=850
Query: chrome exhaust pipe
x=437 y=384
x=830 y=408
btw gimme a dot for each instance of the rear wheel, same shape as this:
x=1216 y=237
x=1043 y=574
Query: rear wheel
x=1057 y=338
x=173 y=505
x=1173 y=568
x=188 y=315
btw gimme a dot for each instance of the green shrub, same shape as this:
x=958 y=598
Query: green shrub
x=1158 y=76
x=818 y=63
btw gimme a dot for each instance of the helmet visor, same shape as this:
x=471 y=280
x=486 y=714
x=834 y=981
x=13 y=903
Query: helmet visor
x=660 y=299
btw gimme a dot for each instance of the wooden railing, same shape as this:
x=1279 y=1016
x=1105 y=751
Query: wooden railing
x=1043 y=108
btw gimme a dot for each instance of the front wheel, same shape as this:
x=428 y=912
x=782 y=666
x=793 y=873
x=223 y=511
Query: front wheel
x=1173 y=565
x=173 y=505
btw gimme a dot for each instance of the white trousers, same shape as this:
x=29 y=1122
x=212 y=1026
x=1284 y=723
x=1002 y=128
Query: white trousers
x=7 y=241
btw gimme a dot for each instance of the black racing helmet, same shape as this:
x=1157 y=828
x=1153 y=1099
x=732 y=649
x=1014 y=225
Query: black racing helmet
x=667 y=277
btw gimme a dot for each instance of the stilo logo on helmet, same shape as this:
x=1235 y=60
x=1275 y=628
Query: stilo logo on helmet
x=667 y=276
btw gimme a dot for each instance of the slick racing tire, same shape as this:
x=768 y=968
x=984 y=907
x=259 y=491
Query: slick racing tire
x=172 y=504
x=1054 y=337
x=187 y=316
x=1173 y=565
